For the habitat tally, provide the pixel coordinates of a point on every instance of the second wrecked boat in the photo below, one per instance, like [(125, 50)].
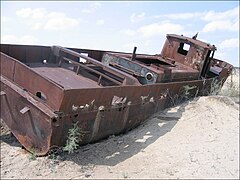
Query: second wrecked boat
[(45, 90)]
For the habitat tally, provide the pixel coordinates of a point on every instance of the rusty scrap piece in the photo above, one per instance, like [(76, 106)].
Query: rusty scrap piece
[(45, 90)]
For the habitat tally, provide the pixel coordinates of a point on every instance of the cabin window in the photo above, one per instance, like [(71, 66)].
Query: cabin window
[(183, 49)]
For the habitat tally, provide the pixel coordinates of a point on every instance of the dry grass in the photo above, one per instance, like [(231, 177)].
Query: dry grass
[(231, 86)]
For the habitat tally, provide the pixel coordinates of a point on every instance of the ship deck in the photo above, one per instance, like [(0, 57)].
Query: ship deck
[(63, 76)]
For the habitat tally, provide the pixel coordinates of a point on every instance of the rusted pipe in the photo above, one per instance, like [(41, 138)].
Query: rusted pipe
[(134, 54)]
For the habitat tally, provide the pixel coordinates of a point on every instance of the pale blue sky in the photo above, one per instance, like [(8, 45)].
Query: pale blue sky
[(119, 26)]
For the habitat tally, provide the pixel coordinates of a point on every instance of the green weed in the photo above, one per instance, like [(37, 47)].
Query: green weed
[(74, 137)]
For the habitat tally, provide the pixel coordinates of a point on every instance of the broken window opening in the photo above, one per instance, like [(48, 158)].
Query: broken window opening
[(82, 60), (41, 95), (183, 49)]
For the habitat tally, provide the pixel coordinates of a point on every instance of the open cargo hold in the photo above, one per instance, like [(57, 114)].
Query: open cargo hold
[(45, 90)]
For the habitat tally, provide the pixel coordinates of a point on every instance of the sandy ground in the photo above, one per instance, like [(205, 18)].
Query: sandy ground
[(198, 139)]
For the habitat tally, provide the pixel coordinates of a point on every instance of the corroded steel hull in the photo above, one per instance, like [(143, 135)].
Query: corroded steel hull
[(40, 102)]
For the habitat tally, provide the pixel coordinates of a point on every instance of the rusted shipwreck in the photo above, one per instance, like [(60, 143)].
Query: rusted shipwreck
[(45, 90)]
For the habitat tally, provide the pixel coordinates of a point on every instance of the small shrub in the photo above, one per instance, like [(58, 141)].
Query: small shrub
[(215, 88), (231, 91), (183, 95), (74, 137), (230, 87), (186, 94)]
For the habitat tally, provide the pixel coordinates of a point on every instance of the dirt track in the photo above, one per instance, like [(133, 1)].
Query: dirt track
[(198, 139)]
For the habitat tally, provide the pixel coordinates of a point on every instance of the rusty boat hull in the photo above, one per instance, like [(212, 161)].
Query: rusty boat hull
[(45, 90)]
